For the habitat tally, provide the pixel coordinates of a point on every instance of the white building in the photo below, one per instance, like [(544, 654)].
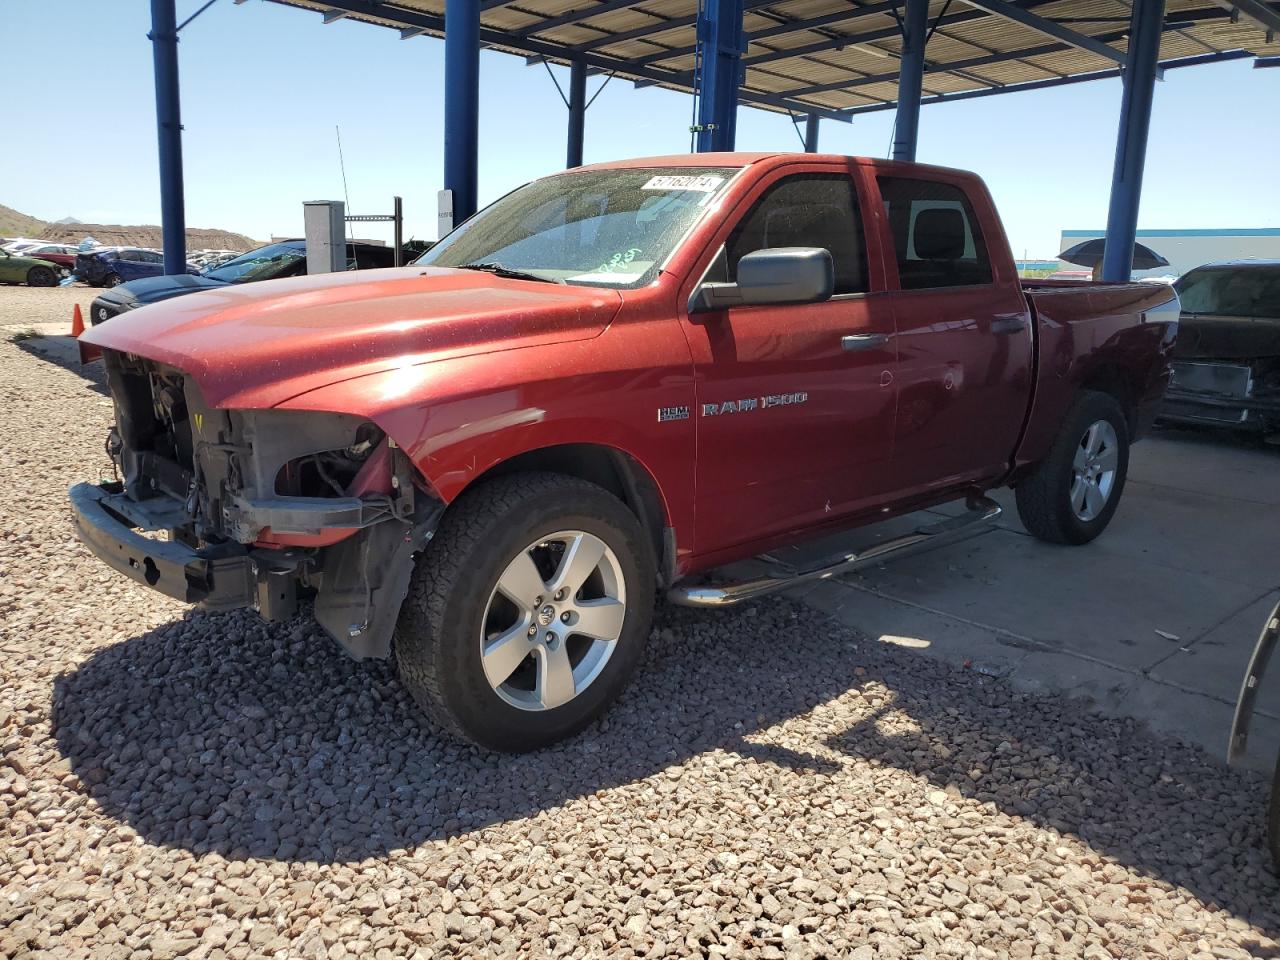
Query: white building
[(1185, 249)]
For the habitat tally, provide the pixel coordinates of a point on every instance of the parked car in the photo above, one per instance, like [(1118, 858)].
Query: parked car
[(110, 266), (288, 258), (1226, 369), (59, 253), (32, 271), (615, 377), (1070, 275)]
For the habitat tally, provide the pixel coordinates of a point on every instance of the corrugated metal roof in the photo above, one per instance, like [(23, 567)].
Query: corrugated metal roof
[(834, 57)]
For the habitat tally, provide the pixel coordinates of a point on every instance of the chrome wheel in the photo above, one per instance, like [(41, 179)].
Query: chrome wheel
[(553, 620), (1093, 471)]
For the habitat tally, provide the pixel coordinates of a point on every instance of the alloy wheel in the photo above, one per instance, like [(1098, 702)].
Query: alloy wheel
[(1093, 470), (553, 620)]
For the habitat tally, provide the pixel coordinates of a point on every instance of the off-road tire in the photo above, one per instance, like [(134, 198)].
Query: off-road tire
[(41, 277), (1044, 496), (437, 638), (112, 280)]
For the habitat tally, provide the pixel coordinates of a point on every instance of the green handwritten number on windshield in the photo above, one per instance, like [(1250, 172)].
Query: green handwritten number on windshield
[(619, 260)]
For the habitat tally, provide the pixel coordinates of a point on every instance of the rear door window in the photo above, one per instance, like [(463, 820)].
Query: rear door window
[(806, 210), (936, 237)]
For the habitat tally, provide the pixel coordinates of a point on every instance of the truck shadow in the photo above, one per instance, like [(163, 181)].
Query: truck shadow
[(218, 733)]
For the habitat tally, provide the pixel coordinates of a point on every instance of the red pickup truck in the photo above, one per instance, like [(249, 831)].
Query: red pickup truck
[(612, 380)]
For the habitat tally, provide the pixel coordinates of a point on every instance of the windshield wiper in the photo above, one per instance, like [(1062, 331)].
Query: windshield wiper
[(498, 270)]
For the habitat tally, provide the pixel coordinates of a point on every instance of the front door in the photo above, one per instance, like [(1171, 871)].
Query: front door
[(964, 340), (795, 402)]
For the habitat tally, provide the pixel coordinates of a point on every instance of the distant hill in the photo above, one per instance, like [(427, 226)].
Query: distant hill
[(71, 230), (116, 235), (15, 224)]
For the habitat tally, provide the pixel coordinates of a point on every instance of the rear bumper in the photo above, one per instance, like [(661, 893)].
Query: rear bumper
[(217, 578)]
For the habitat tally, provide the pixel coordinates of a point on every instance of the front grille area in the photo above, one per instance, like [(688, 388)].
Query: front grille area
[(152, 441)]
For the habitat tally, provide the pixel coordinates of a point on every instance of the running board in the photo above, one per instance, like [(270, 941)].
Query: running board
[(982, 510)]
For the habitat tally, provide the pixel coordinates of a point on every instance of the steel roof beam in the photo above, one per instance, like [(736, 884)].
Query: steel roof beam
[(662, 27), (794, 26), (1054, 82), (573, 16), (401, 17), (1186, 18), (1048, 28), (1258, 11), (853, 39)]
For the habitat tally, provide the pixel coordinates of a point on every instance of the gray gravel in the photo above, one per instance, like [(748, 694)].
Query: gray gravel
[(180, 784)]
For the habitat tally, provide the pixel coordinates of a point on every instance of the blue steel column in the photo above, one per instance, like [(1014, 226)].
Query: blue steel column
[(461, 104), (720, 42), (577, 112), (811, 133), (164, 51), (1131, 143), (910, 79)]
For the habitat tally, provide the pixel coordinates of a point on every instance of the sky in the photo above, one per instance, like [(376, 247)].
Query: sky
[(264, 86)]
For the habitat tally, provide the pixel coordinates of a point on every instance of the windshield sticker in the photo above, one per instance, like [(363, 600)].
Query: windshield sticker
[(620, 261), (702, 184), (609, 278)]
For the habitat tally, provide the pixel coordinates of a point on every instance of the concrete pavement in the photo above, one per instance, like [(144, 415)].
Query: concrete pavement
[(1156, 619)]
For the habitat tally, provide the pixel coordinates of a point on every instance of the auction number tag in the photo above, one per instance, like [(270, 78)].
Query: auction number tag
[(702, 184)]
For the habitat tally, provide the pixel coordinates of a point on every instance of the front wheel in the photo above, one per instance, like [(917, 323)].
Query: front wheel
[(1072, 494), (112, 280), (527, 612)]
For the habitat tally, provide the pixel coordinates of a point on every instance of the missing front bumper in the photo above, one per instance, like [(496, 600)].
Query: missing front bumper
[(221, 577)]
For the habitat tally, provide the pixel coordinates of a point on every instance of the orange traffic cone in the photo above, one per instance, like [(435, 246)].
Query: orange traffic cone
[(77, 322)]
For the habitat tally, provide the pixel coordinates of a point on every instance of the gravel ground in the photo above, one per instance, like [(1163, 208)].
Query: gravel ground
[(27, 307), (179, 784)]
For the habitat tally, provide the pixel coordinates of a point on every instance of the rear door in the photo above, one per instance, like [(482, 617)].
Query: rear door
[(964, 334), (795, 401)]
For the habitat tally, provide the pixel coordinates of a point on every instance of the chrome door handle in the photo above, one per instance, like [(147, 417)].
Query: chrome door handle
[(1008, 324), (863, 341)]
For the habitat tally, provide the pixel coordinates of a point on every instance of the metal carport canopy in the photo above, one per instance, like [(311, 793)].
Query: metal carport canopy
[(836, 59), (816, 59)]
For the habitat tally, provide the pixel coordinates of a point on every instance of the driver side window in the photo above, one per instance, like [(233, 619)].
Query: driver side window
[(806, 210)]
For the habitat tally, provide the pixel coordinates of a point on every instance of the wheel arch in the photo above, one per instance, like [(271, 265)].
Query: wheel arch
[(611, 468), (1119, 382)]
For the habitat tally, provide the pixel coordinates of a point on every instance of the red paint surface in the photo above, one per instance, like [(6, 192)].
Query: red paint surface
[(465, 370)]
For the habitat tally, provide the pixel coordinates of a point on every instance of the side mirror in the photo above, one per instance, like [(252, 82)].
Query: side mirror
[(773, 275)]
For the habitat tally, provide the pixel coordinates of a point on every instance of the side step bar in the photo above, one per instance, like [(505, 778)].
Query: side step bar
[(982, 510)]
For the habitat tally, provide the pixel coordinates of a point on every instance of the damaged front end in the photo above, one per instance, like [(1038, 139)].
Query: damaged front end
[(1227, 392), (231, 508)]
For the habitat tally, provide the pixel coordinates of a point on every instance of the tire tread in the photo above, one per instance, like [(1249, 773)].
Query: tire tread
[(444, 562)]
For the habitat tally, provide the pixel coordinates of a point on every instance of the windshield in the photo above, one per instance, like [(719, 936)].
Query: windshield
[(261, 264), (1232, 291), (602, 227)]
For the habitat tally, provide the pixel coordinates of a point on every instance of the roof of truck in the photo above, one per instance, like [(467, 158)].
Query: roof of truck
[(696, 160)]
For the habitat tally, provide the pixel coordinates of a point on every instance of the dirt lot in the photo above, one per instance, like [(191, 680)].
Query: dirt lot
[(773, 784), (46, 309)]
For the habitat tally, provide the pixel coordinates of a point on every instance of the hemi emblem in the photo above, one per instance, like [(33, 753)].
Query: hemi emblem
[(666, 414)]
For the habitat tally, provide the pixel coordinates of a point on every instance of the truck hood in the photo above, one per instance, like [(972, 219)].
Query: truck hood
[(257, 345), (1203, 336)]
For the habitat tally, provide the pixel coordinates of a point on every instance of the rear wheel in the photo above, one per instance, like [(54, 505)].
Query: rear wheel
[(1072, 494), (527, 612), (41, 277), (111, 280)]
